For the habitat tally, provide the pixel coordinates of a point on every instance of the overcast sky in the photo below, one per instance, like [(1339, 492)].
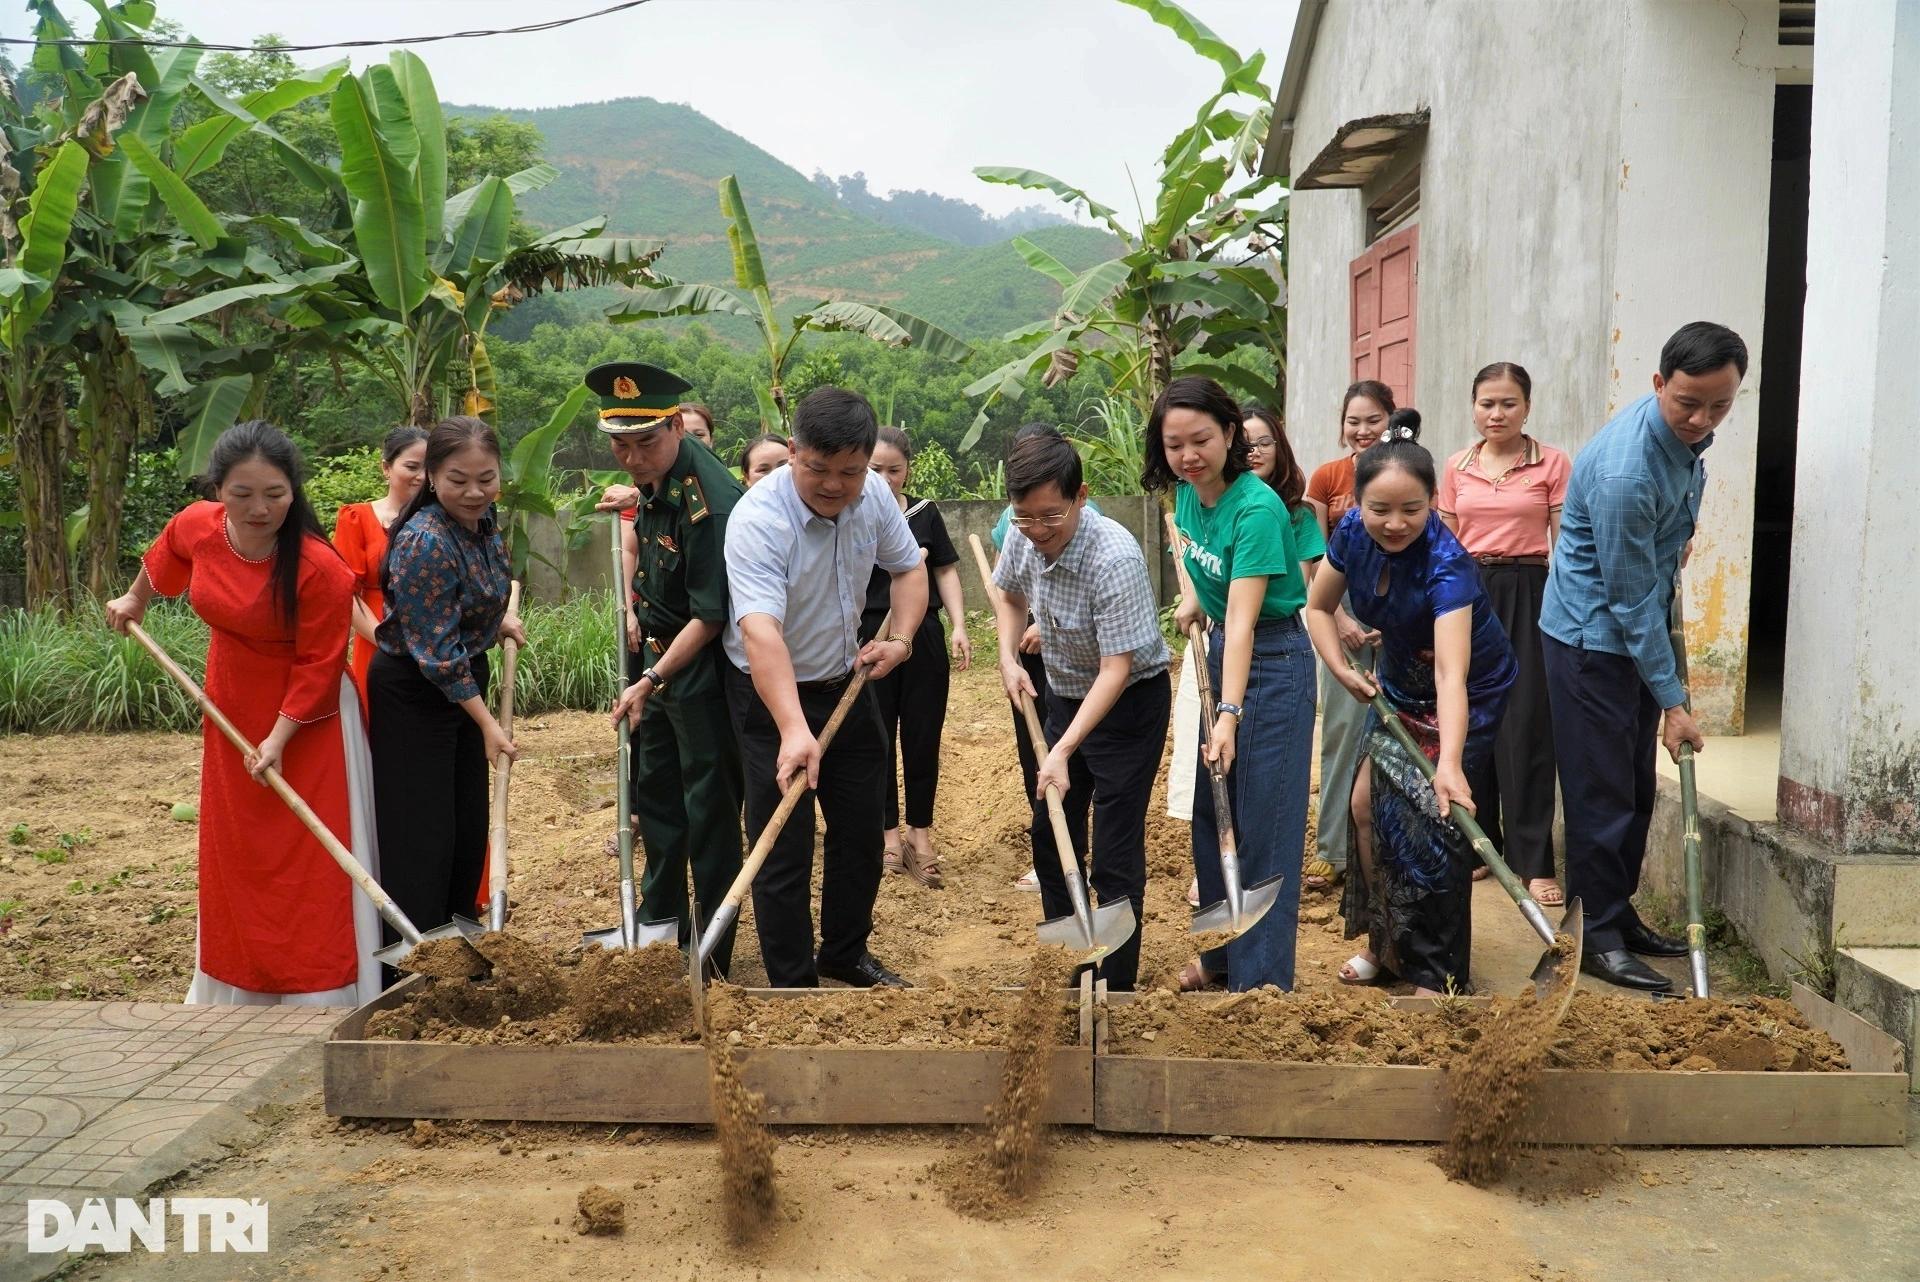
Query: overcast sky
[(913, 92)]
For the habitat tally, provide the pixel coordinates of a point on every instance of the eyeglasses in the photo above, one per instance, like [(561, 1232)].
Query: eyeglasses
[(1260, 443), (1052, 521)]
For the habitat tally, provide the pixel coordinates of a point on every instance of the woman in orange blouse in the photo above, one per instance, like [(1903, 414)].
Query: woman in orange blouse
[(360, 532)]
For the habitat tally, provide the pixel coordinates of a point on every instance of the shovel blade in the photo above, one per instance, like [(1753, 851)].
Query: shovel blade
[(478, 967), (696, 969), (1113, 925), (1573, 926), (1255, 902), (644, 934)]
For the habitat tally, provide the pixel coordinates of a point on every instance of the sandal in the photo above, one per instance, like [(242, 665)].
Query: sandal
[(924, 869), (1546, 892), (1193, 893), (1321, 875), (1196, 978), (1363, 972), (1028, 881), (891, 861)]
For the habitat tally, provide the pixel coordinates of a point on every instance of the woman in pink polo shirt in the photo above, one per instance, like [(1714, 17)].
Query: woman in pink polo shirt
[(1502, 498)]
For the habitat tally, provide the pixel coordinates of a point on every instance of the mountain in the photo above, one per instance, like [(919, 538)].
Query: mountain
[(944, 217), (654, 169)]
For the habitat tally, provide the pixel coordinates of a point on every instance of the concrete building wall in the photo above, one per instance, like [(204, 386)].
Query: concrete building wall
[(1595, 176), (1850, 743)]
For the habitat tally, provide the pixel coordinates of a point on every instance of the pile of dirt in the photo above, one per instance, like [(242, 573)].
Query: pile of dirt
[(1000, 1169), (1491, 1087), (1358, 1026), (746, 1147), (531, 996), (602, 1212), (926, 1017)]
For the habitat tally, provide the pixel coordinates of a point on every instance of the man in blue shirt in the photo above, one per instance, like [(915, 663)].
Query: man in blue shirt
[(801, 546), (1612, 678)]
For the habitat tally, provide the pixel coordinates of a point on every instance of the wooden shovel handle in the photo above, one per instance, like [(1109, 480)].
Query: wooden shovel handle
[(1056, 814), (295, 802), (503, 764), (1196, 636), (798, 788)]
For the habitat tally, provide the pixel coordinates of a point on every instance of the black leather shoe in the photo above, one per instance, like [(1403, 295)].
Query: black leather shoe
[(868, 972), (1618, 966), (1651, 943)]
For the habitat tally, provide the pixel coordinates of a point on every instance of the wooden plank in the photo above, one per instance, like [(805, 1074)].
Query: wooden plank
[(634, 1082), (1869, 1049)]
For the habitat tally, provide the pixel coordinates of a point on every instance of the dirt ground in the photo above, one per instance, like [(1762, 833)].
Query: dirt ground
[(111, 916)]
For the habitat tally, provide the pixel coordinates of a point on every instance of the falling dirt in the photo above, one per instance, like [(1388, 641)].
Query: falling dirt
[(746, 1147), (603, 995), (1491, 1088), (602, 1212), (999, 1169), (929, 1017)]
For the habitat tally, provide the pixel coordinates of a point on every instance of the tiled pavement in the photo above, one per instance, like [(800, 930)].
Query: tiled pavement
[(92, 1093)]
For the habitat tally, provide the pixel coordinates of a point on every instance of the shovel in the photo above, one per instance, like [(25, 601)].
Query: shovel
[(1091, 932), (410, 937), (1689, 818), (1237, 913), (631, 934), (497, 835), (1572, 924), (704, 942)]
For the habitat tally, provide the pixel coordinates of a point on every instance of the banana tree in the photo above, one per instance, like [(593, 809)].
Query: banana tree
[(752, 297), (1201, 284), (109, 235)]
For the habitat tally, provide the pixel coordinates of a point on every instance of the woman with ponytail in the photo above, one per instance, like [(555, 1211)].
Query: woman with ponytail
[(278, 921), (446, 582), (1446, 668)]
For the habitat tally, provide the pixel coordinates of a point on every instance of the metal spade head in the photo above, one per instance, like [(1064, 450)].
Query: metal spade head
[(460, 928), (644, 933), (1573, 926), (1237, 919), (1112, 925), (696, 968)]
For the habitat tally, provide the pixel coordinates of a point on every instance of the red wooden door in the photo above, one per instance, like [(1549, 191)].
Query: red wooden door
[(1385, 287)]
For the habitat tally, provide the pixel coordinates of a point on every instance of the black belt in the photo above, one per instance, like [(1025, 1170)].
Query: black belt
[(1512, 560), (831, 683)]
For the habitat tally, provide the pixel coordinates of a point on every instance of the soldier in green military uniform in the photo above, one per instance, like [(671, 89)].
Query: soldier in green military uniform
[(687, 783)]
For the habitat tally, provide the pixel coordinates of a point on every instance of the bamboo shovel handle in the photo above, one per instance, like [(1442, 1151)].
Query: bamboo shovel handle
[(1056, 815), (295, 802), (503, 765), (798, 788)]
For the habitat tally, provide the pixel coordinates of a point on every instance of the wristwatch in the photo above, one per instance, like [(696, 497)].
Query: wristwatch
[(1239, 713), (905, 641), (659, 682)]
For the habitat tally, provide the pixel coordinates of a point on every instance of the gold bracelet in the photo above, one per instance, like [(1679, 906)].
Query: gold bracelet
[(905, 641)]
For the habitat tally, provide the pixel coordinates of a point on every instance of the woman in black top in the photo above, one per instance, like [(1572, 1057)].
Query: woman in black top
[(913, 697)]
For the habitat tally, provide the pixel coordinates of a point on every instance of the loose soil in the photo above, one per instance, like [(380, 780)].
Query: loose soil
[(746, 1147), (924, 1017), (1359, 1026), (602, 1212), (999, 1167)]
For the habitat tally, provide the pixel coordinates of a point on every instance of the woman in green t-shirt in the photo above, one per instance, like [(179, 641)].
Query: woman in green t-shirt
[(1241, 557)]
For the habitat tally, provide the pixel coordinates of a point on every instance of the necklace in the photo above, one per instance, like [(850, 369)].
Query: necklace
[(226, 528)]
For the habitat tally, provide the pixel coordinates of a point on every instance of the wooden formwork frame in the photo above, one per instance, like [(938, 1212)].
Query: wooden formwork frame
[(641, 1082), (1172, 1096)]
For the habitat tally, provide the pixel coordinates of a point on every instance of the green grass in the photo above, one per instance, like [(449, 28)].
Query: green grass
[(73, 674)]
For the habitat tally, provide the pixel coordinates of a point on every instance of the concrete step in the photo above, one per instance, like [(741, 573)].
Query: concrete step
[(1882, 986), (1876, 901)]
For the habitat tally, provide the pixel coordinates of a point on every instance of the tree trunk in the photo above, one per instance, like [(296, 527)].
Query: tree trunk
[(120, 413), (40, 462)]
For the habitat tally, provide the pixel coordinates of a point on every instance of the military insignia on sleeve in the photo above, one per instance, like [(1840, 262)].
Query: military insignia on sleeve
[(625, 388), (697, 509)]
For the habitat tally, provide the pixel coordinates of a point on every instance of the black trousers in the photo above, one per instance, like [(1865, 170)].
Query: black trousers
[(1606, 725), (1513, 789), (1112, 776), (912, 700), (1044, 850), (429, 792), (849, 800)]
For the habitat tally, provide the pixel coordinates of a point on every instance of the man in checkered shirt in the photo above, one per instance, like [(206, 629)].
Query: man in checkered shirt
[(1612, 678), (1085, 579)]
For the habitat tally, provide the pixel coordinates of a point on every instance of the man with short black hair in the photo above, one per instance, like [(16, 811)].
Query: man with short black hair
[(800, 548), (1612, 679), (1108, 700)]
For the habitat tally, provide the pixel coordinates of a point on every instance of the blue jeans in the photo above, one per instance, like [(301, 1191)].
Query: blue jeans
[(1267, 789)]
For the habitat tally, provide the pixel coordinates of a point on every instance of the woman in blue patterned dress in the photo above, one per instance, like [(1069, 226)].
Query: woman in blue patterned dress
[(1446, 667), (428, 723)]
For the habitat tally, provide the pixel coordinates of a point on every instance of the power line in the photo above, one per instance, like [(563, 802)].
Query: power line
[(529, 28)]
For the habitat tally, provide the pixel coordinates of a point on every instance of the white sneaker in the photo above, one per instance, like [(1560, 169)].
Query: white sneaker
[(1029, 881)]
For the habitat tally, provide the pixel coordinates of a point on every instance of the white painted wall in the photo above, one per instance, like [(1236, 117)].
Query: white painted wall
[(1534, 249), (1850, 732)]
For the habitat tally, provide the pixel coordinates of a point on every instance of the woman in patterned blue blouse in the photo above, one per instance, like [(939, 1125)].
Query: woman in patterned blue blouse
[(428, 723), (1446, 667)]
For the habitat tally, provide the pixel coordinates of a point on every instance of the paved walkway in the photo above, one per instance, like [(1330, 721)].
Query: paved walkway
[(97, 1098)]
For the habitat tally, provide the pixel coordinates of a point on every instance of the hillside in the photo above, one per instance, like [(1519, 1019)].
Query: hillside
[(654, 167)]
